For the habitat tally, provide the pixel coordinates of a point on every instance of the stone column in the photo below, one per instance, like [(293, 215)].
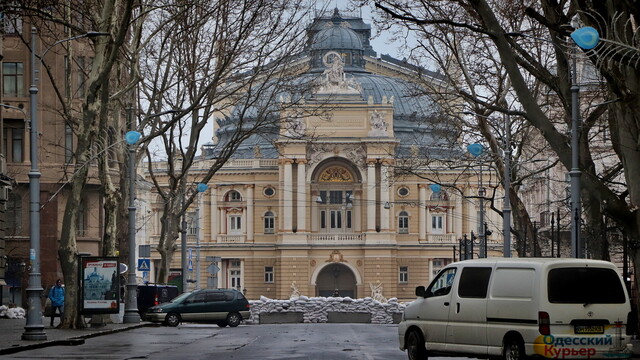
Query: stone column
[(458, 216), (302, 196), (223, 220), (287, 195), (422, 212), (385, 214), (371, 195), (215, 214), (250, 212)]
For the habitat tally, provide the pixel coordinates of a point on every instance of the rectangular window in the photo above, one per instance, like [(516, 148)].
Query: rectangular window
[(14, 214), (17, 143), (12, 23), (269, 225), (348, 219), (403, 223), (13, 79), (192, 223), (437, 224), (13, 138), (336, 219), (404, 274), (82, 78), (323, 219), (235, 224), (268, 274), (68, 143), (234, 276), (323, 197), (335, 197)]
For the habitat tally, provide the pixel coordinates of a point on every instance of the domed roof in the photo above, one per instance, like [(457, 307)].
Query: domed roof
[(336, 37)]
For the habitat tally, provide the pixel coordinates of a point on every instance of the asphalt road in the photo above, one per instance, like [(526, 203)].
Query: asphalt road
[(192, 341)]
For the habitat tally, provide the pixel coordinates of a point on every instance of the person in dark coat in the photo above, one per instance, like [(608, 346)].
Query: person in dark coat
[(56, 295)]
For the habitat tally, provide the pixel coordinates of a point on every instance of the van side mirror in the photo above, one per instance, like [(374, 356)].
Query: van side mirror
[(420, 291)]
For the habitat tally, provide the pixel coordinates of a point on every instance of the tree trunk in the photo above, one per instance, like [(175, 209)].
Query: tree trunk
[(68, 251)]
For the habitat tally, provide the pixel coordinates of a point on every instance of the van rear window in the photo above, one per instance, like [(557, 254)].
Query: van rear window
[(585, 286)]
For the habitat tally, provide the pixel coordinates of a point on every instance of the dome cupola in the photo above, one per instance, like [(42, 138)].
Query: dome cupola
[(339, 37)]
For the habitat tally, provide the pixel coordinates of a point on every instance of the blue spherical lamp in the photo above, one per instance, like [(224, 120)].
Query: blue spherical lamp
[(202, 187), (475, 149), (586, 37), (132, 137), (435, 188)]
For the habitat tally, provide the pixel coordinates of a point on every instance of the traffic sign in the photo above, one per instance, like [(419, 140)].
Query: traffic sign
[(213, 269), (144, 264), (190, 268)]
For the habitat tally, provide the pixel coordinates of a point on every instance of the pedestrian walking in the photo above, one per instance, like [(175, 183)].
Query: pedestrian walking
[(56, 295)]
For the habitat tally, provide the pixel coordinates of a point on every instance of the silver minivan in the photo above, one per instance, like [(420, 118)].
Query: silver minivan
[(516, 308)]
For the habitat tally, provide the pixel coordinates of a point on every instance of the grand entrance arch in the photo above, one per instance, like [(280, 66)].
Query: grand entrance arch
[(336, 276)]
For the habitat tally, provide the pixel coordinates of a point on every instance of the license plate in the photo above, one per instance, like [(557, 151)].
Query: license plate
[(589, 329)]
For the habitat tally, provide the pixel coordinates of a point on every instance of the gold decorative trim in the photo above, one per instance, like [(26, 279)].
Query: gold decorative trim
[(336, 174)]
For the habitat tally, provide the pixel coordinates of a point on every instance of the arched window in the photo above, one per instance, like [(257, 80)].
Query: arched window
[(269, 222), (403, 222), (440, 195), (233, 195)]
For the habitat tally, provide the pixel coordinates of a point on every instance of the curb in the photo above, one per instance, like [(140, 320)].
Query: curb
[(77, 340)]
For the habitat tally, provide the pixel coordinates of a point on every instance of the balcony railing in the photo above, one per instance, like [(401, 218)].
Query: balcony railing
[(231, 239), (336, 238), (441, 239)]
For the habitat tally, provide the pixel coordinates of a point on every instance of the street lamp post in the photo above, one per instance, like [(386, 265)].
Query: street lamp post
[(132, 137), (34, 329), (506, 207), (586, 38), (476, 150), (200, 188), (131, 306)]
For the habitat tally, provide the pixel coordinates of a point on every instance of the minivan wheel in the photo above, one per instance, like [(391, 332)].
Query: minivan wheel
[(513, 349), (234, 319), (415, 346), (172, 319)]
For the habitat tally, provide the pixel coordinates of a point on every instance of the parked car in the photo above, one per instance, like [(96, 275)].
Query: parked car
[(149, 295), (519, 308), (220, 306)]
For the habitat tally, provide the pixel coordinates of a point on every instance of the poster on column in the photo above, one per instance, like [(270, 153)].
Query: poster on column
[(99, 285)]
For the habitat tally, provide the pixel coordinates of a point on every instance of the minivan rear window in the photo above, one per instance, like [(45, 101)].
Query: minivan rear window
[(585, 286)]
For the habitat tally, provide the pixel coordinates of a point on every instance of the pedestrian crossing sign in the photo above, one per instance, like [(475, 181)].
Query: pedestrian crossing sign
[(144, 264)]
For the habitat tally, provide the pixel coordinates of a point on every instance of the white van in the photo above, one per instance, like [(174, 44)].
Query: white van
[(520, 307)]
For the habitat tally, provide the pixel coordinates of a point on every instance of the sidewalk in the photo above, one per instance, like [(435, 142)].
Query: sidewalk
[(12, 330)]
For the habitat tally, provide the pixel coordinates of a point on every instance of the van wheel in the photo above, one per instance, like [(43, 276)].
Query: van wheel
[(415, 346), (172, 319), (513, 349), (234, 319)]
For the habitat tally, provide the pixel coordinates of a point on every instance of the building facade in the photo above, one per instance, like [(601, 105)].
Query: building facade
[(324, 206), (68, 66)]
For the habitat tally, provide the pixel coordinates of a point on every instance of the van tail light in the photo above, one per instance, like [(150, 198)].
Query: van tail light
[(544, 323), (248, 306), (155, 300)]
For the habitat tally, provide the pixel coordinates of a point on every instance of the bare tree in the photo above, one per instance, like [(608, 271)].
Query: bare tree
[(62, 20), (616, 59), (222, 59), (478, 97)]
